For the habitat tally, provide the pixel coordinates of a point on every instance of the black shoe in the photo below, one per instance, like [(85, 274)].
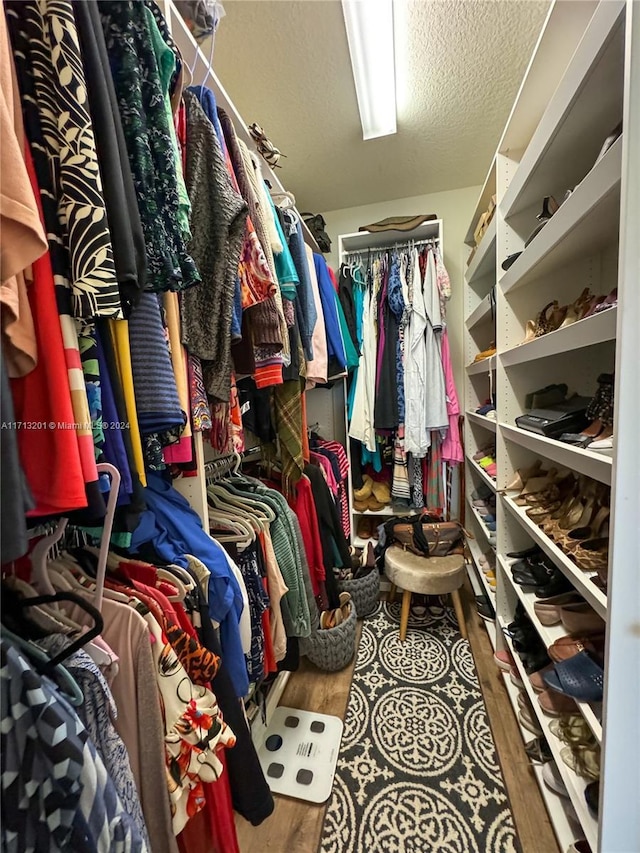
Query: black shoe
[(528, 552), (485, 608), (592, 796), (538, 750), (556, 586)]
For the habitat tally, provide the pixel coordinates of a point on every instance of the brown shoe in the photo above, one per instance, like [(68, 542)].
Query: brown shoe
[(581, 618), (566, 647)]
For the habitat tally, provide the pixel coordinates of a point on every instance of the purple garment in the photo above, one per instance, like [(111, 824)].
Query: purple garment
[(114, 449)]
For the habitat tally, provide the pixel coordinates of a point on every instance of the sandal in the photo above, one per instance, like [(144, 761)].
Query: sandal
[(580, 677)]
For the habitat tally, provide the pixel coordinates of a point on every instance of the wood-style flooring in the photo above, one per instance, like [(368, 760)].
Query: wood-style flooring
[(296, 827)]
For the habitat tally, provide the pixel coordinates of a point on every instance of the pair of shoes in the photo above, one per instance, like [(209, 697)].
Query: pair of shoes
[(538, 750), (482, 493), (600, 414), (550, 395), (487, 353), (504, 660), (554, 704), (367, 562), (583, 760), (565, 648), (579, 677), (528, 721), (547, 609), (573, 730), (333, 618), (485, 608), (553, 780), (367, 528), (580, 618), (582, 845)]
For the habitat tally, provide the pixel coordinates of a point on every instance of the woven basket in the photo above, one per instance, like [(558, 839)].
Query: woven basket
[(331, 649), (364, 592)]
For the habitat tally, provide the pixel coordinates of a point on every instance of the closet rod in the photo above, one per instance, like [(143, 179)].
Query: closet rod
[(408, 244)]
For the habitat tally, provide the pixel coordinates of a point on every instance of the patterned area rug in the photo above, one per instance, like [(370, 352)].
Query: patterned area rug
[(417, 769)]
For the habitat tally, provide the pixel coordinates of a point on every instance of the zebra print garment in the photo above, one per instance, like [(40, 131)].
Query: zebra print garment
[(45, 42)]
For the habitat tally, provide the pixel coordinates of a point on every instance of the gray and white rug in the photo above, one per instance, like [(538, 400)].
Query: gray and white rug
[(417, 769)]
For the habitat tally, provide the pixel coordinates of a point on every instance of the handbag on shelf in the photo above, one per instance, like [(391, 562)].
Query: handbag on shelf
[(426, 535)]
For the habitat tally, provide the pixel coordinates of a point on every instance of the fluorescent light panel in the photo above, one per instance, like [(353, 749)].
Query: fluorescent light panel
[(369, 25)]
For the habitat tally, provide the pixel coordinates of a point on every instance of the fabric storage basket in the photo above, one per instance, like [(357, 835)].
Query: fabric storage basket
[(364, 591), (331, 649)]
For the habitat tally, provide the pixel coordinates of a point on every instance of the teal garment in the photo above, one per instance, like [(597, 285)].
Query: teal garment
[(358, 304), (166, 69), (351, 355), (285, 268), (288, 555)]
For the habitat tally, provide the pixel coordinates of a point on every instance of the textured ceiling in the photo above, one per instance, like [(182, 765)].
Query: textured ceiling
[(286, 65)]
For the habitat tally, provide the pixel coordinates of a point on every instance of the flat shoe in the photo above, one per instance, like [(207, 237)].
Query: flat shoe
[(554, 704), (553, 780), (579, 677), (536, 681), (565, 648), (528, 722), (581, 618), (382, 493)]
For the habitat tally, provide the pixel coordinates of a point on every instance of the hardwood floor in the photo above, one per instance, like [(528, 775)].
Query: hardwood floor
[(296, 827)]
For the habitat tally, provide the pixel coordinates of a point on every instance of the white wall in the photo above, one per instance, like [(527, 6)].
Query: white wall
[(455, 208)]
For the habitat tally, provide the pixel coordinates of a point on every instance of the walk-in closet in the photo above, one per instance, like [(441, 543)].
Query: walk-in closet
[(319, 478)]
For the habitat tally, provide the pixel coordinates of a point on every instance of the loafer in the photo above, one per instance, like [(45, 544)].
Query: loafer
[(581, 618), (527, 552), (547, 609), (558, 584), (579, 677)]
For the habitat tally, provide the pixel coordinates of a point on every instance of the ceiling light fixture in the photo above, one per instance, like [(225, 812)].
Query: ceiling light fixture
[(369, 25)]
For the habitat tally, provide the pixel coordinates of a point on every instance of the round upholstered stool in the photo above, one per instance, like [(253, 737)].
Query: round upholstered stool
[(426, 575)]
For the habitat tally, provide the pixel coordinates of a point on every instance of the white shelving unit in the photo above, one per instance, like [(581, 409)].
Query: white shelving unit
[(361, 242), (582, 82), (482, 420)]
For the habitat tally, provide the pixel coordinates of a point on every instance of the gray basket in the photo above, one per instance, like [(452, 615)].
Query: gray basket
[(364, 591), (332, 649)]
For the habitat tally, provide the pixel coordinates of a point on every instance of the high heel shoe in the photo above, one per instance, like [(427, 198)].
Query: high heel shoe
[(521, 477), (577, 309), (592, 555), (536, 484)]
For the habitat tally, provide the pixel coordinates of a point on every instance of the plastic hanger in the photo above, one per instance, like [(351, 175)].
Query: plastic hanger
[(40, 555), (41, 662), (181, 593)]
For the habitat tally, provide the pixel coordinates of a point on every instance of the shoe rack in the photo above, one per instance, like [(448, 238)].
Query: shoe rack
[(583, 79)]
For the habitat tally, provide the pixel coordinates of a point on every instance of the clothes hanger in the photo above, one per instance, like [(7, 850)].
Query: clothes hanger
[(41, 660), (285, 200), (39, 557), (181, 593)]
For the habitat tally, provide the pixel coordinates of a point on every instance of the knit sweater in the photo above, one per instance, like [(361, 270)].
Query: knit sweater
[(217, 226)]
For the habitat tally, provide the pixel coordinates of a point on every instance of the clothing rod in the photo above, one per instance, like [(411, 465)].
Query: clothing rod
[(406, 245)]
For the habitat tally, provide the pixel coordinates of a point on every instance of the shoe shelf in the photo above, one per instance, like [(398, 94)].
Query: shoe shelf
[(585, 333), (581, 108), (484, 260), (484, 366), (556, 805), (487, 534), (579, 578), (386, 510), (582, 227), (591, 463), (586, 222), (549, 634), (481, 420), (574, 783), (477, 554), (481, 314), (486, 479)]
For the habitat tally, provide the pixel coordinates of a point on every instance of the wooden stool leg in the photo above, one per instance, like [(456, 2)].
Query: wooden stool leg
[(457, 603), (404, 614), (392, 593)]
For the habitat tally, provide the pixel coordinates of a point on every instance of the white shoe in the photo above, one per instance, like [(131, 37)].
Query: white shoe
[(528, 722), (553, 780)]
